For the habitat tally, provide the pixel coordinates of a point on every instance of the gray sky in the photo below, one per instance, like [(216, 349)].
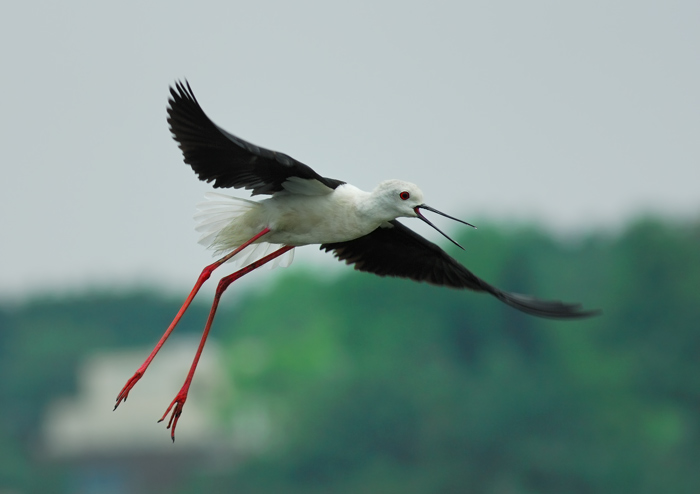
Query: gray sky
[(577, 115)]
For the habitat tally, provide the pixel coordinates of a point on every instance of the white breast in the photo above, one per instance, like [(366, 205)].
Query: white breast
[(302, 220)]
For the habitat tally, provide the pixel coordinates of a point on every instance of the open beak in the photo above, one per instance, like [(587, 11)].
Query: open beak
[(426, 220)]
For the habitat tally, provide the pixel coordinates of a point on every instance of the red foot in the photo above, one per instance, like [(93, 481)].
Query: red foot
[(179, 402), (124, 393)]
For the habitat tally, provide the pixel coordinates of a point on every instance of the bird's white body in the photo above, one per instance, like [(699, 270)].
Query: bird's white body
[(306, 212)]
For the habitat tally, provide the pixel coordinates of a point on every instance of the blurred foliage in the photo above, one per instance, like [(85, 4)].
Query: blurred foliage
[(384, 385)]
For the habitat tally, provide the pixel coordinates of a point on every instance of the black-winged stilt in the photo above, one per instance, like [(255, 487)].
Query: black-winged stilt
[(305, 208)]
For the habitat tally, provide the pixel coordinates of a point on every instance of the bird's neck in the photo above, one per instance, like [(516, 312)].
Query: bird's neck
[(373, 209)]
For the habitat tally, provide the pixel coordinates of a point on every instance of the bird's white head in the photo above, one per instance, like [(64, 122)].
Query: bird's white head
[(396, 198)]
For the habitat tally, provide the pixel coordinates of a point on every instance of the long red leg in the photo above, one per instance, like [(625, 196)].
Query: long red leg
[(206, 273), (181, 397)]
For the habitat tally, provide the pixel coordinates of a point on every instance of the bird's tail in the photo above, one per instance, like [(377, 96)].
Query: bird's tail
[(217, 213)]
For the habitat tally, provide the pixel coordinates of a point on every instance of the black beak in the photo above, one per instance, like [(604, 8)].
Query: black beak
[(423, 206)]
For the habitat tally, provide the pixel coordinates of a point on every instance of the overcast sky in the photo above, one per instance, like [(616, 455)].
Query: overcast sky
[(578, 115)]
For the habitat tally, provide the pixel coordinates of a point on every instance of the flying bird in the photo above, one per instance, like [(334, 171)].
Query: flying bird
[(302, 208)]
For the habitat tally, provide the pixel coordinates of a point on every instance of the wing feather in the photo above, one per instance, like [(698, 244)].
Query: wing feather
[(220, 157), (398, 251)]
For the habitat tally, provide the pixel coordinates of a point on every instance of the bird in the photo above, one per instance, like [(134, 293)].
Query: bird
[(304, 208)]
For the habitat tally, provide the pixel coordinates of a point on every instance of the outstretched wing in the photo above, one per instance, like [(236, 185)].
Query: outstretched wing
[(228, 161), (398, 251)]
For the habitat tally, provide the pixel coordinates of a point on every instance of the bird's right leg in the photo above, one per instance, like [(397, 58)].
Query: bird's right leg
[(206, 273), (179, 402)]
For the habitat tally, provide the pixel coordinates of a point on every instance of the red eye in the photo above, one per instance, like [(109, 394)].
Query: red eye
[(404, 195)]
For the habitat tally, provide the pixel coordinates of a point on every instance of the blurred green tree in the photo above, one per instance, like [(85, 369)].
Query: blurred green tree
[(383, 385)]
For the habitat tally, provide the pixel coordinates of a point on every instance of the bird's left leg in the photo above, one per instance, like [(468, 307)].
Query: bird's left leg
[(204, 276), (224, 283)]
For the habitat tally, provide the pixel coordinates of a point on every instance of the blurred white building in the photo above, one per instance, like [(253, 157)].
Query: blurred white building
[(127, 450)]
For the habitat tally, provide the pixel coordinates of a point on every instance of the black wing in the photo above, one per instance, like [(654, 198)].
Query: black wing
[(228, 161), (399, 251)]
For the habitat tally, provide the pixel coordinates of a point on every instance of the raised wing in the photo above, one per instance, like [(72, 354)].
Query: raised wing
[(399, 251), (228, 161)]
